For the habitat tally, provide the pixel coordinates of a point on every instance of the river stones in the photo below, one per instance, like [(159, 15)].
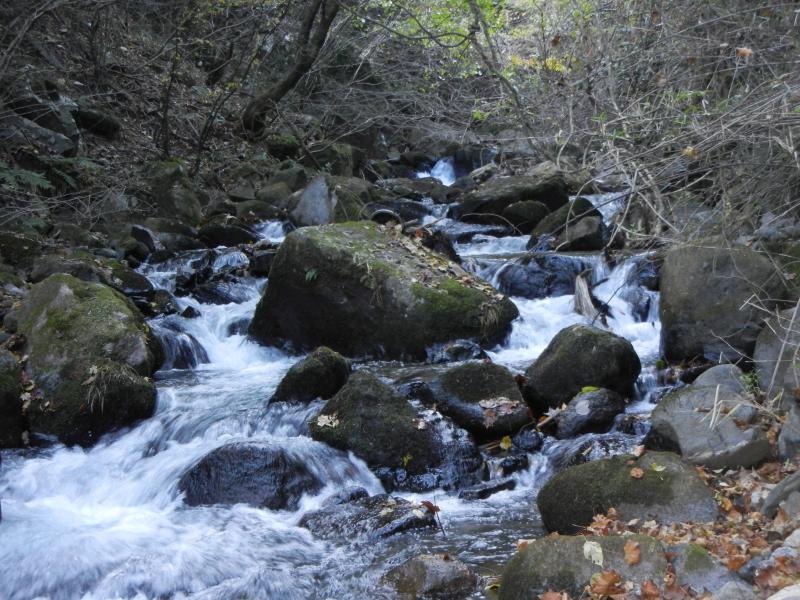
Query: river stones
[(483, 398), (525, 215), (493, 196), (173, 194), (11, 421), (577, 357), (711, 426), (570, 213), (567, 564), (432, 576), (319, 375), (260, 474), (362, 290), (369, 419), (370, 517), (589, 233), (706, 309), (224, 230), (540, 275), (328, 199), (91, 355), (776, 356), (590, 411), (668, 491)]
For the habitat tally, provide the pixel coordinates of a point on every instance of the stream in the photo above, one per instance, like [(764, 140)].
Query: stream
[(109, 522)]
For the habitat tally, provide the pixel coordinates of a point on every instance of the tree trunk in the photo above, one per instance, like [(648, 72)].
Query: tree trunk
[(308, 47)]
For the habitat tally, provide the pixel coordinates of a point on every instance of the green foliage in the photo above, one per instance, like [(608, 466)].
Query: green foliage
[(18, 179), (311, 275)]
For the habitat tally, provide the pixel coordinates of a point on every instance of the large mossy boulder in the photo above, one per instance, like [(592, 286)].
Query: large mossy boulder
[(91, 355), (713, 301), (563, 564), (777, 356), (369, 419), (336, 158), (669, 490), (11, 422), (362, 290), (319, 375), (577, 357), (711, 425), (483, 398), (260, 474), (20, 250), (494, 196)]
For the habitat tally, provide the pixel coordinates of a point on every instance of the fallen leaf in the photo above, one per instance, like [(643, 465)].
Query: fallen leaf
[(744, 53), (327, 420), (594, 552), (632, 552), (432, 508), (650, 590), (505, 443), (606, 584), (639, 451), (637, 472)]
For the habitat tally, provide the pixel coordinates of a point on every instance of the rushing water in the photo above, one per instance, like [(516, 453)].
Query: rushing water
[(109, 522)]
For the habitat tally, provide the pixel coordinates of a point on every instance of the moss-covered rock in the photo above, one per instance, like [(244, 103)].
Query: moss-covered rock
[(669, 491), (362, 290), (370, 419), (90, 354), (580, 356), (11, 422), (20, 250), (329, 199), (173, 193), (282, 145), (483, 398), (563, 564), (591, 410), (705, 303), (571, 213), (335, 158), (319, 375)]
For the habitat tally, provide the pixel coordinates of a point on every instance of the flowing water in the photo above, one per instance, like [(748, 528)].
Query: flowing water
[(109, 522)]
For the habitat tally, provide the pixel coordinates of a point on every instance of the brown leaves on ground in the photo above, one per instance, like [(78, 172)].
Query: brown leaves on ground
[(637, 472), (607, 584), (632, 553), (738, 536)]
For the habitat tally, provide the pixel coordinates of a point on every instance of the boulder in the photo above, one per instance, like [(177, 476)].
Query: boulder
[(589, 233), (432, 576), (91, 355), (566, 215), (293, 176), (261, 474), (97, 122), (255, 211), (705, 301), (369, 419), (336, 158), (327, 199), (577, 357), (567, 564), (19, 132), (12, 424), (485, 489), (780, 493), (729, 378), (589, 411), (173, 193), (776, 356), (20, 250), (319, 375), (525, 215), (226, 231), (537, 276), (669, 491), (281, 145), (495, 195), (361, 290), (711, 426), (376, 516), (789, 438), (276, 194), (483, 398)]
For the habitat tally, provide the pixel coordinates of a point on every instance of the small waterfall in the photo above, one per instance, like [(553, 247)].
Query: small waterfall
[(443, 170)]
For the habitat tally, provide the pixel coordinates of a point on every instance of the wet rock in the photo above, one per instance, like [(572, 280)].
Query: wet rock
[(223, 231), (90, 353), (711, 428), (483, 490), (563, 563), (260, 474), (564, 216), (261, 262), (589, 233), (292, 176), (590, 411), (369, 419), (12, 424), (483, 398), (319, 375), (493, 196), (255, 211), (670, 492), (512, 464), (363, 291), (645, 273), (327, 199), (374, 517), (775, 356), (577, 357), (275, 194), (418, 189), (440, 242), (190, 312), (336, 158), (540, 276), (528, 440), (525, 215), (181, 349), (704, 301), (455, 351), (432, 576), (406, 210), (97, 122)]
